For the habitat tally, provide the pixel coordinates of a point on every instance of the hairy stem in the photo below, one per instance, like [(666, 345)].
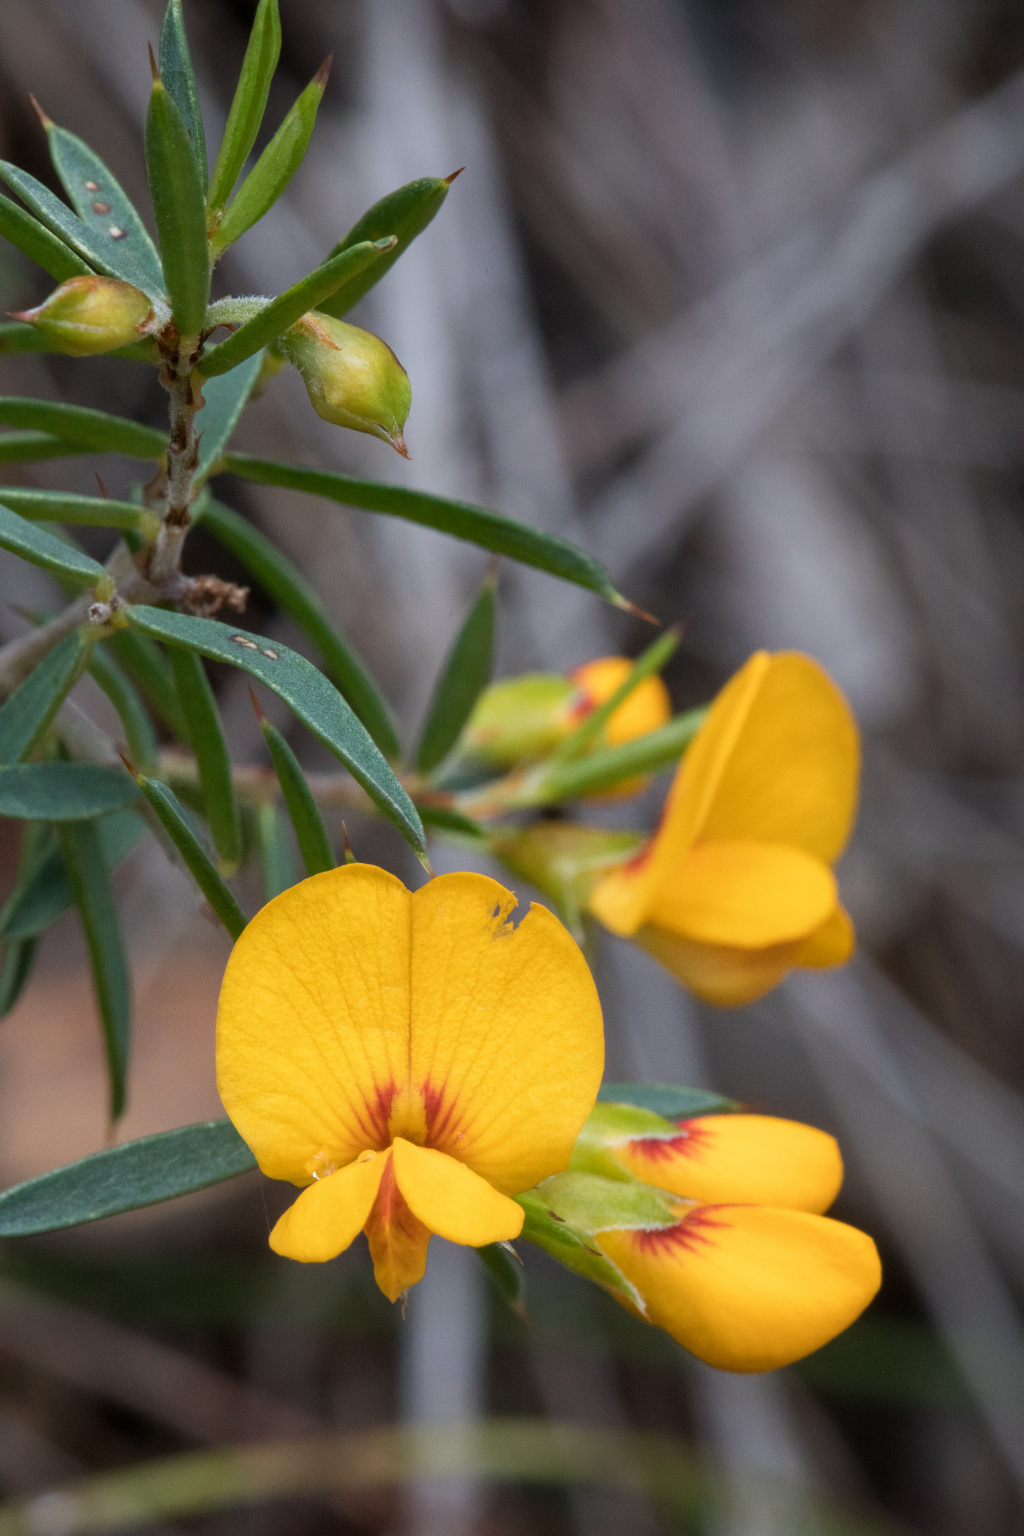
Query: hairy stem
[(182, 460)]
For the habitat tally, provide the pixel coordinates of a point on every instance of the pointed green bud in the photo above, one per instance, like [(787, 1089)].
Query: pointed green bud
[(352, 377), (89, 315)]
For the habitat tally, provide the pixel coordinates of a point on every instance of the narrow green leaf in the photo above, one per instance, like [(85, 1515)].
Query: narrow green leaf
[(310, 832), (140, 735), (87, 872), (667, 1099), (279, 872), (250, 102), (404, 213), (213, 760), (590, 731), (179, 203), (150, 671), (43, 549), (275, 167), (313, 698), (476, 525), (178, 828), (288, 307), (224, 400), (465, 675), (107, 212), (20, 447), (609, 766), (506, 1270), (27, 713), (40, 244), (17, 967), (179, 78), (63, 791), (285, 583), (446, 820), (124, 1178), (94, 430), (43, 892), (66, 507)]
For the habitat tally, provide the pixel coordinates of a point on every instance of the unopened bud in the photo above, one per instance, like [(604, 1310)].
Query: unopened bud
[(89, 315), (352, 377), (519, 720), (564, 859)]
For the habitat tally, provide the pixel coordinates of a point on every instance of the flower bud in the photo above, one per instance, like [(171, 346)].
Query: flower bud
[(519, 720), (353, 379), (564, 859), (645, 709), (89, 315)]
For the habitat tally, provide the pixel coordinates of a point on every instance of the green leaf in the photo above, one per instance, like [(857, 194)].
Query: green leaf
[(179, 204), (249, 103), (104, 207), (314, 844), (40, 245), (288, 307), (66, 507), (404, 213), (179, 78), (178, 828), (224, 400), (451, 821), (94, 430), (25, 715), (465, 675), (590, 731), (87, 872), (19, 447), (668, 1100), (150, 671), (63, 791), (506, 1270), (279, 872), (609, 766), (138, 1173), (17, 967), (43, 549), (275, 167), (476, 525), (316, 701), (569, 1245), (140, 736), (206, 737), (43, 892), (285, 583)]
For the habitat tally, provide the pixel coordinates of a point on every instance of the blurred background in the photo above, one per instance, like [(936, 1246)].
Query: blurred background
[(732, 293)]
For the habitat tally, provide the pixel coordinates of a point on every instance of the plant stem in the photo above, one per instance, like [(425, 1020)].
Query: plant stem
[(182, 459)]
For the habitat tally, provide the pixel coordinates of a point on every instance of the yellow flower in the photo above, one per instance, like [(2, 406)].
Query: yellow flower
[(411, 1058), (645, 709), (736, 887), (750, 1276)]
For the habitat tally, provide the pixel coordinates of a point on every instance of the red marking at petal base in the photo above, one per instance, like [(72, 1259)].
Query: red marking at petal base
[(692, 1141), (373, 1122), (442, 1117), (687, 1235)]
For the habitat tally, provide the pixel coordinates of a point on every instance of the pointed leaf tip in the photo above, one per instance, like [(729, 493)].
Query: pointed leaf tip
[(260, 716), (47, 122), (136, 775), (398, 444), (449, 179), (626, 606), (154, 66), (323, 73)]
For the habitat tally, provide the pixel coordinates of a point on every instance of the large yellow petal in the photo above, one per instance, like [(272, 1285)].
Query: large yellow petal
[(398, 1239), (747, 1287), (747, 895), (313, 1021), (621, 900), (719, 973), (831, 944), (507, 1044), (755, 1159), (330, 1213), (792, 774), (451, 1199)]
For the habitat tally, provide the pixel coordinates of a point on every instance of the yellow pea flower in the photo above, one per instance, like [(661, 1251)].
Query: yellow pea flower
[(750, 1276), (645, 709), (412, 1059), (736, 886)]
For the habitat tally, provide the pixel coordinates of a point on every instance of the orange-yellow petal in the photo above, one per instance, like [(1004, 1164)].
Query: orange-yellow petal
[(719, 973), (747, 1287), (326, 1217), (831, 944), (398, 1239), (507, 1044), (747, 895), (645, 709), (755, 1159), (451, 1199)]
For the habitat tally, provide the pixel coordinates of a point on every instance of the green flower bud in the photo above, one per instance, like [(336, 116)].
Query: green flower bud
[(352, 377), (564, 859), (89, 315), (519, 720)]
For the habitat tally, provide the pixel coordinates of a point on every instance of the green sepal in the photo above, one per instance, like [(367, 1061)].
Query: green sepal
[(213, 760), (249, 103), (505, 1268), (279, 871), (224, 399), (67, 507), (59, 791), (285, 583), (179, 78), (404, 213), (282, 312), (476, 525), (87, 873), (275, 167), (609, 766), (310, 832), (40, 245), (179, 206), (25, 715), (463, 678), (125, 1178), (611, 1125), (43, 892), (564, 860), (589, 733), (140, 734), (45, 550), (176, 824), (95, 431), (19, 958), (668, 1099), (147, 666)]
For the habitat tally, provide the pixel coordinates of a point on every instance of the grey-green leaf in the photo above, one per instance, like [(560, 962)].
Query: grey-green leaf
[(20, 447), (40, 244), (179, 204), (148, 667), (249, 103), (465, 674), (179, 78), (667, 1099), (213, 760), (138, 1173), (66, 507), (139, 732), (43, 892), (41, 548), (279, 871), (404, 213), (460, 519), (314, 699), (17, 967), (25, 715), (183, 835), (63, 791), (224, 401), (310, 832), (107, 211), (94, 430)]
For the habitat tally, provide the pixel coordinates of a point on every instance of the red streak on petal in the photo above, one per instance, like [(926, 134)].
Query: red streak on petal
[(693, 1140), (687, 1235), (443, 1118), (373, 1122)]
